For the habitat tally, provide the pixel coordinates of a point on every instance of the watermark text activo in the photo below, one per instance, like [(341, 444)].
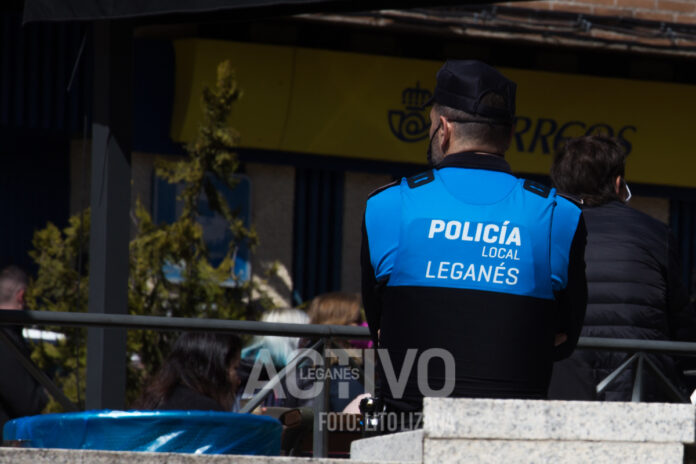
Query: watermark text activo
[(314, 369)]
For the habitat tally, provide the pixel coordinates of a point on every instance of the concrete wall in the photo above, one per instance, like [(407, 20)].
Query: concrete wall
[(272, 211), (358, 185)]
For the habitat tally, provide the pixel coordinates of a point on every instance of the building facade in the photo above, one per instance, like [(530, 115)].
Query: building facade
[(331, 110)]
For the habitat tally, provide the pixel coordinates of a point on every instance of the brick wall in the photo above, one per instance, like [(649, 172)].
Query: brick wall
[(670, 11)]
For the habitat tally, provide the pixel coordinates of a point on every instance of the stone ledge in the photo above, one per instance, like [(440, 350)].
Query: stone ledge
[(455, 451), (62, 456), (401, 447), (558, 420)]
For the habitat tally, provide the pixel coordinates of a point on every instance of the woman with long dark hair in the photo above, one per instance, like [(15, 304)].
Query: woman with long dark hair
[(199, 374)]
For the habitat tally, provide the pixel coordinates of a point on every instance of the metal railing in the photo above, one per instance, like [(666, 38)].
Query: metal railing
[(636, 350), (324, 333), (637, 354), (126, 321)]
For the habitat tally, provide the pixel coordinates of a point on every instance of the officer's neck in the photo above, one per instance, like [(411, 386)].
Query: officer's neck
[(460, 146), (474, 151)]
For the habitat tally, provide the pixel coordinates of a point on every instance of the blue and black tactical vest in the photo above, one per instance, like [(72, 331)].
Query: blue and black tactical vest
[(468, 261)]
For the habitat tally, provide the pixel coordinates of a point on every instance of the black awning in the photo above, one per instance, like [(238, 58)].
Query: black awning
[(81, 10)]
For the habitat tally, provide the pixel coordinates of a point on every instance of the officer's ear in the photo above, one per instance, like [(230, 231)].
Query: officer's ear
[(446, 134)]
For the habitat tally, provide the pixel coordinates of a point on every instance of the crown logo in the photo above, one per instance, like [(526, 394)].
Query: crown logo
[(414, 97), (410, 123)]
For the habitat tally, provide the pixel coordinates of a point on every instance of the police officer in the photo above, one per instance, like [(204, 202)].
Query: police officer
[(473, 279)]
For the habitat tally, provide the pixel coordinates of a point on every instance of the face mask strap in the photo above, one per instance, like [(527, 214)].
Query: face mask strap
[(430, 145), (481, 121)]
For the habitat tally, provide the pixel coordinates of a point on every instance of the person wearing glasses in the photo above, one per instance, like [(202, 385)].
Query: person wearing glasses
[(633, 275)]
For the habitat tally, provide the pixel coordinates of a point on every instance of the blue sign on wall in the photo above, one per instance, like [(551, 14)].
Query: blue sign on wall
[(216, 232)]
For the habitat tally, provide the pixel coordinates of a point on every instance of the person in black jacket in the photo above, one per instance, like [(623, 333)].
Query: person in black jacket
[(199, 374), (633, 274), (20, 394)]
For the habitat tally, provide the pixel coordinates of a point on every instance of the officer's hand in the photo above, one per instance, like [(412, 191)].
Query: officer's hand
[(560, 338)]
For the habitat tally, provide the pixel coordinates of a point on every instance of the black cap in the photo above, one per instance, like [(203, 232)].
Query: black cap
[(461, 84)]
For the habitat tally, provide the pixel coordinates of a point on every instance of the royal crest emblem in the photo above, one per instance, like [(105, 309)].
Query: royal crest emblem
[(411, 124)]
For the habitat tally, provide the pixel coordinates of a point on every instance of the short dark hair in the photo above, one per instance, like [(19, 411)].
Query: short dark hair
[(199, 361), (586, 167), (490, 132), (12, 279)]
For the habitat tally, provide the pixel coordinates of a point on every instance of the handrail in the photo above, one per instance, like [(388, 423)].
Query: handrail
[(630, 345), (129, 321)]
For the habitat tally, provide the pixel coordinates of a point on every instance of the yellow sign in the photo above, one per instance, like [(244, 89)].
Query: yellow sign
[(299, 100)]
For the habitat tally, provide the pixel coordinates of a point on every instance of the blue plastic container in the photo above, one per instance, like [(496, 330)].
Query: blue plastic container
[(200, 432)]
